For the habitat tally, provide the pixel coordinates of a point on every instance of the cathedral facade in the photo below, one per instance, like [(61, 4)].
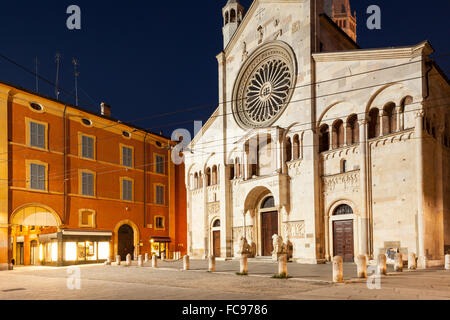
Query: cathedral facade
[(337, 149)]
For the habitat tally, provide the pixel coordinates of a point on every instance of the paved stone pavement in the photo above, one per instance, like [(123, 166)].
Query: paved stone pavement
[(99, 282)]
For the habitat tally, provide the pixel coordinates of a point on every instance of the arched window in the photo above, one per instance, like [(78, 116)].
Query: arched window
[(196, 184), (233, 15), (343, 209), (406, 101), (352, 129), (288, 149), (268, 203), (208, 176), (200, 180), (338, 134), (232, 171), (389, 119), (374, 123), (343, 166), (216, 224), (324, 143), (296, 147), (226, 18), (214, 178), (237, 163)]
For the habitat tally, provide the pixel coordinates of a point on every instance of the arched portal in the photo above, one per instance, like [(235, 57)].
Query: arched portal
[(29, 223), (215, 236), (269, 224), (265, 222), (342, 230), (125, 241)]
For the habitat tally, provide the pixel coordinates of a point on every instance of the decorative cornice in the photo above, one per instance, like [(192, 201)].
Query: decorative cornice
[(411, 52)]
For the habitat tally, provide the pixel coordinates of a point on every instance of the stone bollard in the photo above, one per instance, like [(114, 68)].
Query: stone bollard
[(118, 260), (447, 262), (154, 262), (186, 262), (338, 269), (212, 264), (412, 262), (163, 256), (398, 262), (243, 264), (140, 261), (361, 264), (282, 265), (128, 263), (108, 261), (146, 257), (381, 264)]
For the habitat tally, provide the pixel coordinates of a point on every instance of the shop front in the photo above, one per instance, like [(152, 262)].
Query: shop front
[(70, 247), (160, 245)]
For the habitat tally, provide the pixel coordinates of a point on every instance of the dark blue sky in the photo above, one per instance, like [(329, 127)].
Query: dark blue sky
[(150, 57)]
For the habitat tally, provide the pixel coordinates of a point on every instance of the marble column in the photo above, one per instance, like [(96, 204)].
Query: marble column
[(363, 221), (345, 135), (419, 184), (205, 216), (398, 111)]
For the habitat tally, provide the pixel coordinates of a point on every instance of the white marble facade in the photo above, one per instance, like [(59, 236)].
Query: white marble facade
[(332, 132)]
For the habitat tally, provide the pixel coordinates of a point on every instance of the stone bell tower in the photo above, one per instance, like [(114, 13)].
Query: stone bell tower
[(232, 13), (341, 13)]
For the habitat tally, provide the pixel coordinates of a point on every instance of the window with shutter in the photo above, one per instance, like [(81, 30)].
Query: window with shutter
[(159, 164), (127, 157), (159, 197), (127, 190), (37, 176), (37, 135), (87, 184), (87, 147)]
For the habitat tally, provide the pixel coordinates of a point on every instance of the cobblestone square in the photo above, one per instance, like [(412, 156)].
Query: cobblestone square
[(169, 282)]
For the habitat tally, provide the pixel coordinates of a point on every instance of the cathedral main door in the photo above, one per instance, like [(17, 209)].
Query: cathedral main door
[(216, 243), (343, 239), (269, 227)]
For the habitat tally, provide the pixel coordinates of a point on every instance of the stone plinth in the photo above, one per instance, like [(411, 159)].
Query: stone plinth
[(282, 265), (381, 264), (212, 264), (338, 269), (154, 262), (243, 264), (186, 264), (361, 264), (412, 262), (398, 262)]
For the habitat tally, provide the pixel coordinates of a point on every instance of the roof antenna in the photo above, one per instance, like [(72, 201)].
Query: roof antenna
[(36, 71), (76, 74), (58, 60)]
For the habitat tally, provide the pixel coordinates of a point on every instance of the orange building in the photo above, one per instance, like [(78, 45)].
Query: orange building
[(79, 187)]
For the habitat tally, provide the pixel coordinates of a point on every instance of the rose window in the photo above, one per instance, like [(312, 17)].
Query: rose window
[(264, 87)]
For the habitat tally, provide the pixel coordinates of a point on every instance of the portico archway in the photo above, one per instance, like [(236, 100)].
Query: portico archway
[(135, 237), (264, 220)]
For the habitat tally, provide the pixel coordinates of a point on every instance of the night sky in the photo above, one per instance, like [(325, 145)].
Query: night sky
[(145, 58)]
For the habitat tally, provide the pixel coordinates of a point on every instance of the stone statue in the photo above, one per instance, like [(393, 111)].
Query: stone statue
[(244, 247), (279, 247)]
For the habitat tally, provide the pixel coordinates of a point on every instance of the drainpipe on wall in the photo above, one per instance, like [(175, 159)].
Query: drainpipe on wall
[(145, 180), (64, 165)]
